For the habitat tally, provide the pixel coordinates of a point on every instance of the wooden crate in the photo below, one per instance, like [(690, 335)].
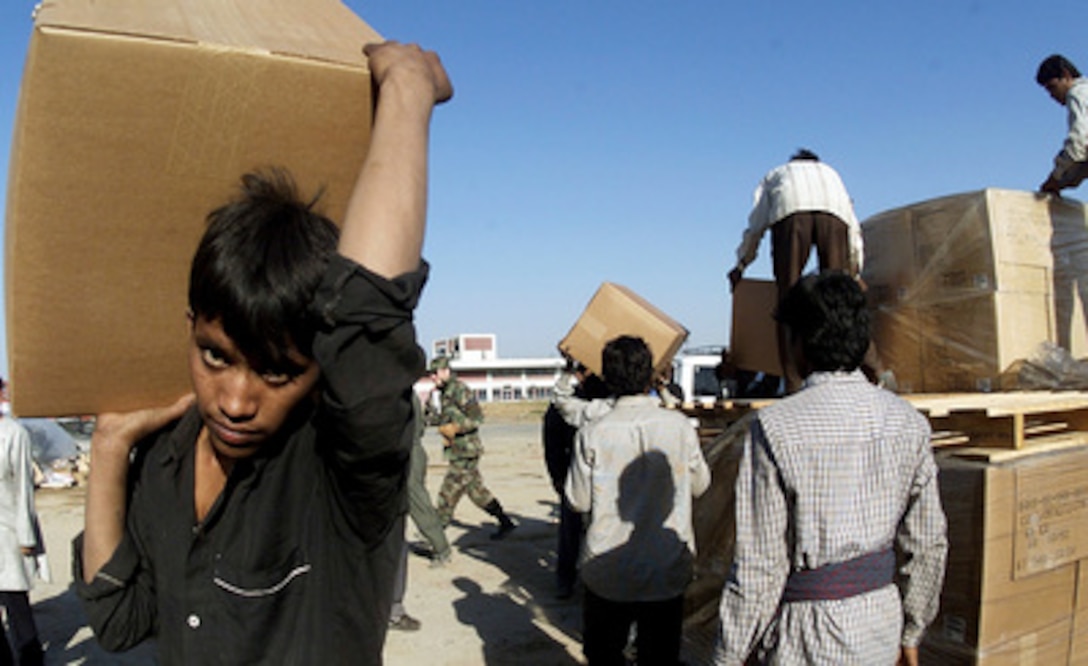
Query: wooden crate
[(1014, 485)]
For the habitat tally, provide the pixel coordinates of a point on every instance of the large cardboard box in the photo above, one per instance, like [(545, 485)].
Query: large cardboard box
[(1016, 547), (613, 311), (134, 120), (964, 286)]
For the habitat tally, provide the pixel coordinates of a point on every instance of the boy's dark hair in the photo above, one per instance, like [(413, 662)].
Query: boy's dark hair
[(1055, 67), (627, 365), (804, 154), (827, 313), (258, 266)]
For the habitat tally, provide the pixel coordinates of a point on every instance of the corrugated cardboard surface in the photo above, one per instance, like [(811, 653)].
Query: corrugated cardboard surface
[(1048, 645), (1011, 585), (754, 337), (970, 283), (1078, 652), (613, 311), (133, 123)]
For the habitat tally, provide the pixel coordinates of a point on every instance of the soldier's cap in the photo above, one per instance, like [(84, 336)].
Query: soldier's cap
[(439, 362)]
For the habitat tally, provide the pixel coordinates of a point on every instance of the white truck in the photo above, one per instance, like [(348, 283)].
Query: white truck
[(694, 370)]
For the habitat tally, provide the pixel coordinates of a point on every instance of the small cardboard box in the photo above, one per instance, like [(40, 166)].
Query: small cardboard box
[(136, 119), (964, 286), (754, 337), (613, 311)]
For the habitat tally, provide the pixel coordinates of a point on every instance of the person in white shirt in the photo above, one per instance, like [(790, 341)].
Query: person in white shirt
[(1063, 81), (20, 546), (805, 204), (635, 470)]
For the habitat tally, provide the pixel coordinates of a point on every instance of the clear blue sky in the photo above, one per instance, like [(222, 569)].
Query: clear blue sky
[(602, 140)]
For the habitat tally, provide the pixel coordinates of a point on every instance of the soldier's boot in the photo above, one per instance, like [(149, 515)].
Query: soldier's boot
[(506, 526)]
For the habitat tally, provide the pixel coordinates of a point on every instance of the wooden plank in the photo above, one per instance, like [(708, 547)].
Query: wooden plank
[(983, 429), (1046, 444), (997, 404), (722, 414)]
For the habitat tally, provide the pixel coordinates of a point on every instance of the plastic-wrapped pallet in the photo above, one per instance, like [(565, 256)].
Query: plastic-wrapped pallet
[(965, 285)]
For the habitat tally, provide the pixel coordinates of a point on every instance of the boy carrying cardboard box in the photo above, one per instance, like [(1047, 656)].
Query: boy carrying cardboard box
[(262, 520)]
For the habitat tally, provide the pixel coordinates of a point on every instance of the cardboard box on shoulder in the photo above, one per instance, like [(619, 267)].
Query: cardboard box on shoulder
[(613, 311), (1016, 551), (135, 120), (965, 285)]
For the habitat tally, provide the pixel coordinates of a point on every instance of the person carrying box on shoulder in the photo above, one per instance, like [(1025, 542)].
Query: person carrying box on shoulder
[(261, 519)]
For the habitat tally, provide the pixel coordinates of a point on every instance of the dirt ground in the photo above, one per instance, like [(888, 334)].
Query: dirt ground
[(493, 604)]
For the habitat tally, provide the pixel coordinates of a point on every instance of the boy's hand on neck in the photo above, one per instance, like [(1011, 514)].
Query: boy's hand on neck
[(117, 433), (114, 437)]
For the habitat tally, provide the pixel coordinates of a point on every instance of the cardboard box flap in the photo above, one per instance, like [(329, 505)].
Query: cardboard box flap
[(326, 31)]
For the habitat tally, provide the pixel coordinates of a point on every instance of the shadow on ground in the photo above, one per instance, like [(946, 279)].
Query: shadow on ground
[(526, 600)]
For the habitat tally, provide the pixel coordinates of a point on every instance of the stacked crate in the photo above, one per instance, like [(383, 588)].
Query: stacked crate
[(1014, 485), (964, 286)]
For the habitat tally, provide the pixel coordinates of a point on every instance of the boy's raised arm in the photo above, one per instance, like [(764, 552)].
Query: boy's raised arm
[(385, 220)]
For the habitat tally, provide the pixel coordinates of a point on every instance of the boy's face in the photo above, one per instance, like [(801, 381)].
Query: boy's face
[(242, 406)]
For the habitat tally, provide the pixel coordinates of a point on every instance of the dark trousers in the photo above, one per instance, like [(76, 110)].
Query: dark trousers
[(570, 544), (23, 631), (400, 585), (793, 238), (606, 626), (420, 507)]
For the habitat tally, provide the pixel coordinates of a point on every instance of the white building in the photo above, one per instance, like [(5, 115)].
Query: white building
[(475, 360)]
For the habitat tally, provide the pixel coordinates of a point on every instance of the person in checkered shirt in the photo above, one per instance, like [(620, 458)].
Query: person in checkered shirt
[(840, 536)]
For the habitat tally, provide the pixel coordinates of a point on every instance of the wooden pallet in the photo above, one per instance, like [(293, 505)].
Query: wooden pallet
[(994, 427), (997, 427), (715, 419)]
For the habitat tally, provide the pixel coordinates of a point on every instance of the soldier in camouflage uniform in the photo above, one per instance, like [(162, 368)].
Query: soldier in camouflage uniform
[(459, 422)]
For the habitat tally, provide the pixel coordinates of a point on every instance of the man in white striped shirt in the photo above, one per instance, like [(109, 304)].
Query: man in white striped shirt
[(805, 204)]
